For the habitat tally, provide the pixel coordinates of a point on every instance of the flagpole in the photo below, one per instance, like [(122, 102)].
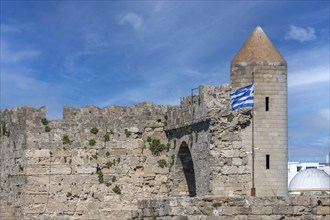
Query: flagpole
[(253, 189), (241, 98)]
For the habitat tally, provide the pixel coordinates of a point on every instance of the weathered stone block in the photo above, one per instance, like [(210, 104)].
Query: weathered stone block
[(262, 210), (34, 208), (237, 161), (37, 170), (85, 170), (282, 209), (37, 153), (304, 200), (60, 170), (229, 170), (323, 210)]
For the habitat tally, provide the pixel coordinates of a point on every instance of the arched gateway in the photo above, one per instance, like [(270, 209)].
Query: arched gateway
[(184, 172)]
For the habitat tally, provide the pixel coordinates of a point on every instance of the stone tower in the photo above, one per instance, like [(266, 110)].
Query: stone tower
[(260, 58)]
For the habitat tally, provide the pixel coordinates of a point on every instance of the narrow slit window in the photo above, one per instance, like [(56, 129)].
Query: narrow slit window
[(267, 104), (267, 161)]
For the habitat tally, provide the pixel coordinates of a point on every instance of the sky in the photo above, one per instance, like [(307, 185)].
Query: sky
[(78, 53)]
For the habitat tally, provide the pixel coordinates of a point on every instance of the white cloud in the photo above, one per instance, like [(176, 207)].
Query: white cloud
[(21, 82), (307, 67), (313, 75), (300, 34), (8, 55), (132, 19)]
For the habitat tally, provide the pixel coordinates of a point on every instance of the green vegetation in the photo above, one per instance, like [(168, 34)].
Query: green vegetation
[(47, 128), (156, 147), (68, 194), (117, 190), (110, 164), (191, 137), (154, 216), (94, 156), (107, 153), (118, 160), (114, 179), (162, 163), (165, 122), (94, 130), (216, 205), (230, 117), (64, 159), (44, 121), (100, 176), (186, 128), (92, 142), (172, 159), (127, 133), (5, 132), (107, 137), (66, 139), (108, 184)]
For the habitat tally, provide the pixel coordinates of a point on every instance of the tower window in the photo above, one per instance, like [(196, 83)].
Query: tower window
[(267, 161), (267, 104)]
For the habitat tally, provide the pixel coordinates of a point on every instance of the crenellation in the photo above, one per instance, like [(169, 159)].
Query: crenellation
[(151, 161)]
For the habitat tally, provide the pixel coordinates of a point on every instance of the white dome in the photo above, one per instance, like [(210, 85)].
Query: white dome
[(310, 180)]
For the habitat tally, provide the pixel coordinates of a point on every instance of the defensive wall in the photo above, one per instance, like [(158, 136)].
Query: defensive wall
[(44, 176), (64, 169), (236, 208), (147, 161)]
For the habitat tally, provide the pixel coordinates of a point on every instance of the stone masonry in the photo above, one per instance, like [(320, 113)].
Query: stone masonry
[(147, 161), (49, 168), (235, 208), (259, 61)]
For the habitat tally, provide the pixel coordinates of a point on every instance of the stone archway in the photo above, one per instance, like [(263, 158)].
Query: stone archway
[(185, 173)]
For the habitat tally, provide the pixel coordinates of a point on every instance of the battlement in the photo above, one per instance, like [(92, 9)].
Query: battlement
[(200, 107), (136, 147), (98, 163)]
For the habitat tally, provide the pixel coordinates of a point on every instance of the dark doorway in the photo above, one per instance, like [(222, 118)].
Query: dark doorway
[(186, 173)]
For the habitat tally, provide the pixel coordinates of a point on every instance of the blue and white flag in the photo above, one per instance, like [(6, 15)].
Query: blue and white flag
[(242, 97)]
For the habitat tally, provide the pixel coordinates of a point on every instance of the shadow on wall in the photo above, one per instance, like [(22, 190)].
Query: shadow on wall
[(185, 171)]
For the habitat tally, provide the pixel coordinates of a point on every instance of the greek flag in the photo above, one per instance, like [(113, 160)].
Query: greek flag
[(242, 97)]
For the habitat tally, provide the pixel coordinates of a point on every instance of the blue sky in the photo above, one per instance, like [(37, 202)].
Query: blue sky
[(78, 53)]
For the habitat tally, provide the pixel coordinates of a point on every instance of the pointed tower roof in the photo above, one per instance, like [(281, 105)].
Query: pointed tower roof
[(258, 48)]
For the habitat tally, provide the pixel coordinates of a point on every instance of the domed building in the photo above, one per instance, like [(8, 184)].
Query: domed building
[(310, 181)]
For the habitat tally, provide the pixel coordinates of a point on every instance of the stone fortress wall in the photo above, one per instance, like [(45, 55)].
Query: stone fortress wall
[(60, 178), (191, 161), (44, 176), (236, 208)]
